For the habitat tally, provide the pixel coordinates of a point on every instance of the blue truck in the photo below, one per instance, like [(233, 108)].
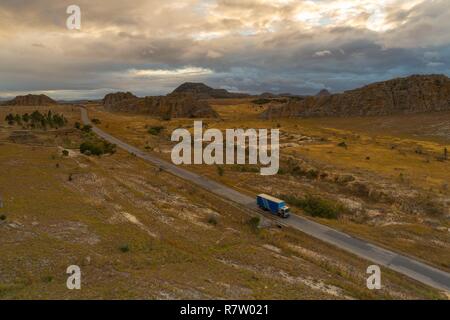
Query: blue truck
[(272, 204)]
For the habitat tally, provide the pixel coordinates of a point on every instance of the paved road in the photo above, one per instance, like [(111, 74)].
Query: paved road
[(405, 265)]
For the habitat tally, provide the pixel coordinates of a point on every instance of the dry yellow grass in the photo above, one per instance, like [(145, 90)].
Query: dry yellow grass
[(86, 208), (394, 158)]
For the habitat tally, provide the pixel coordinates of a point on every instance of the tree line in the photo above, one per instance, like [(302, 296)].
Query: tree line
[(37, 120)]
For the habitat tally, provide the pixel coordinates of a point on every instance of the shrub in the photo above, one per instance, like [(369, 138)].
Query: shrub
[(124, 247), (312, 174), (97, 147), (166, 117), (315, 206), (2, 217), (87, 128), (342, 145), (10, 119), (65, 153), (77, 125), (155, 130), (220, 171), (261, 101), (212, 219), (254, 222), (96, 121)]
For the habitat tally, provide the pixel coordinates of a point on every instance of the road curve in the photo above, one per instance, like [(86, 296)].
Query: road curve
[(405, 265)]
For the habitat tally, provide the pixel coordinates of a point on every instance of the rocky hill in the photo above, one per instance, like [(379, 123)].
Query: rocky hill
[(175, 105), (117, 98), (414, 94), (31, 100), (323, 92), (202, 91)]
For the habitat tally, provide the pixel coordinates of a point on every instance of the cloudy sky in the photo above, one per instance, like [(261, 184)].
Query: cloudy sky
[(151, 46)]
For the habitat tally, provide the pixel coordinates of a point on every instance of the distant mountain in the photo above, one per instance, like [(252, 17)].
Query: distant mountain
[(323, 93), (175, 105), (413, 94), (267, 95), (202, 91), (31, 100)]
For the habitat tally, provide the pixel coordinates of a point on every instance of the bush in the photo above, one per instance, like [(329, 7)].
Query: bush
[(254, 222), (96, 121), (315, 206), (77, 125), (87, 128), (312, 174), (155, 130), (212, 219), (124, 248), (2, 217), (97, 147), (342, 145), (166, 117), (220, 171), (65, 153), (261, 101)]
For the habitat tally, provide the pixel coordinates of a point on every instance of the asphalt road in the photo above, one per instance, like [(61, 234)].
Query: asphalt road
[(406, 265)]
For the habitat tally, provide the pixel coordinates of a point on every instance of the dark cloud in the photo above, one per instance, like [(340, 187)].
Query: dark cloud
[(149, 47)]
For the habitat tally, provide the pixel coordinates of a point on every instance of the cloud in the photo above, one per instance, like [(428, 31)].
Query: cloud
[(322, 53), (150, 46), (186, 71)]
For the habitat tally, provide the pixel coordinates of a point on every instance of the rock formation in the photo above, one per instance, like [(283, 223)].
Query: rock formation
[(175, 105), (414, 94), (31, 100), (118, 98), (202, 91)]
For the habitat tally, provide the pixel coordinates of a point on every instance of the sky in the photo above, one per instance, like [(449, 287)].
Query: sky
[(149, 47)]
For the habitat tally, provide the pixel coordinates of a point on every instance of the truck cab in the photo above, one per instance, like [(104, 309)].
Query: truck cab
[(284, 212), (272, 204)]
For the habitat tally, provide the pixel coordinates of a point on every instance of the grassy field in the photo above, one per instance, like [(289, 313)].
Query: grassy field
[(138, 232), (386, 172)]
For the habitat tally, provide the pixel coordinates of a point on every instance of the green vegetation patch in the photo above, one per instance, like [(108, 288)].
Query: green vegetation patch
[(316, 206), (37, 120), (155, 130), (97, 147), (261, 101)]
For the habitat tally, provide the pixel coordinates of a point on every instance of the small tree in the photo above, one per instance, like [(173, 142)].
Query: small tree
[(10, 119), (87, 128), (26, 118)]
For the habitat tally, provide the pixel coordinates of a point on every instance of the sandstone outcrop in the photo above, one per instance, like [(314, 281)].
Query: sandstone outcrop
[(175, 105), (31, 100), (414, 94)]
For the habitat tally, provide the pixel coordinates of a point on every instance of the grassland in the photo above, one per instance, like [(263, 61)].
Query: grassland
[(182, 242), (387, 172)]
